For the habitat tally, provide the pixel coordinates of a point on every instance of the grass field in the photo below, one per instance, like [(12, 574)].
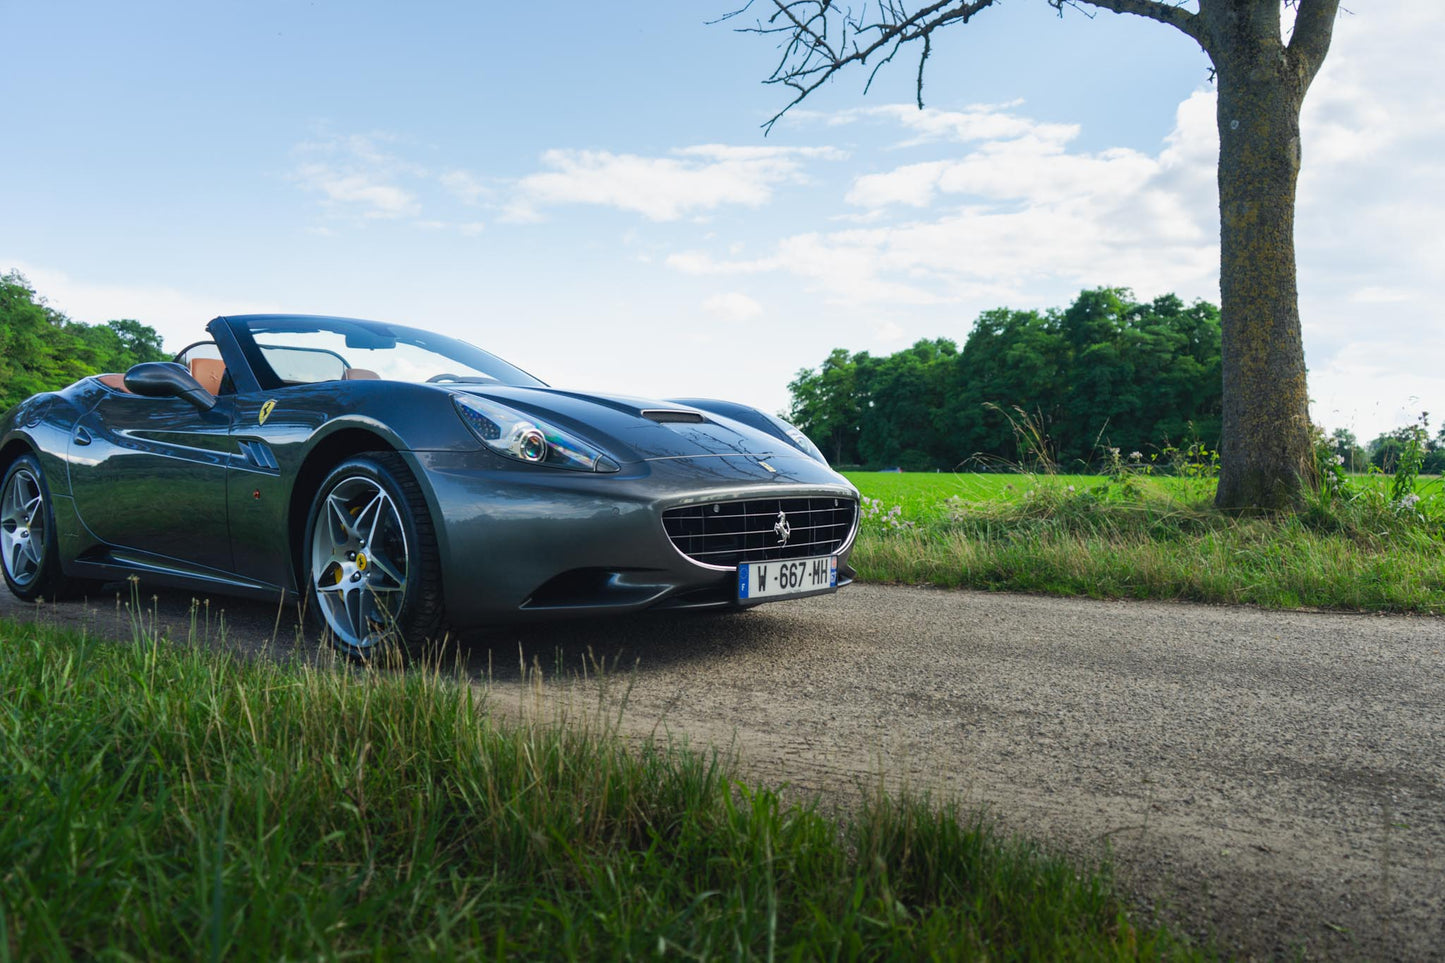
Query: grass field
[(923, 496), (1140, 536), (166, 802)]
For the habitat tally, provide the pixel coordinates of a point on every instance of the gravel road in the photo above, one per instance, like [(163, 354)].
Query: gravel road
[(1273, 780)]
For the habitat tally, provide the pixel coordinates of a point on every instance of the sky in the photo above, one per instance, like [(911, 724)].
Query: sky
[(587, 190)]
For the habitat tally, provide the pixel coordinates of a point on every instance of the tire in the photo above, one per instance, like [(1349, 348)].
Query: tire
[(29, 546), (370, 561)]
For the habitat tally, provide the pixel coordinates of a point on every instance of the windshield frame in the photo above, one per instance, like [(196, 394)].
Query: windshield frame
[(245, 328)]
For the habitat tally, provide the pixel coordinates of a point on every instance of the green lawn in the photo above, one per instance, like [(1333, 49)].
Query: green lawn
[(923, 495), (1153, 536), (924, 490)]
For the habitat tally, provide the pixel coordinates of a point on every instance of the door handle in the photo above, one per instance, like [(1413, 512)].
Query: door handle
[(81, 436)]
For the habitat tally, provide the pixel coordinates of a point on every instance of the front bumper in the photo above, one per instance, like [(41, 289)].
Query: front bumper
[(525, 544)]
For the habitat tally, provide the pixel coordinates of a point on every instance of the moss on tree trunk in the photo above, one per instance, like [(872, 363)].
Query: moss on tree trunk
[(1265, 458)]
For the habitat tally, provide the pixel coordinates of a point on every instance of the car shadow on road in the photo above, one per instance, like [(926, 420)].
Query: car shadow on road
[(640, 643)]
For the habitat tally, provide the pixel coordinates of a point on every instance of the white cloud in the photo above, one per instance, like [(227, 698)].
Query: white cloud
[(368, 195), (465, 187), (464, 228), (889, 334), (734, 307), (361, 149), (1030, 164), (1017, 215), (356, 177), (1379, 295), (361, 178), (915, 185), (1369, 388), (1370, 248), (700, 262), (691, 181), (977, 122), (520, 211)]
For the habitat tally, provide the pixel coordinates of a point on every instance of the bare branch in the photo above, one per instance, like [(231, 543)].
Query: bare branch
[(1314, 25), (1173, 14), (819, 39), (923, 59)]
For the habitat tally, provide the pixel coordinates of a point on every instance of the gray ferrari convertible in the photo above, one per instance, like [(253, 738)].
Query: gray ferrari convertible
[(403, 483)]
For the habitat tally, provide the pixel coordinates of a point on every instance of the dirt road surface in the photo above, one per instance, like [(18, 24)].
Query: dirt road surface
[(1275, 781)]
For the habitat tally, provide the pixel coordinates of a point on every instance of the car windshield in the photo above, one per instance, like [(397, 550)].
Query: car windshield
[(302, 350)]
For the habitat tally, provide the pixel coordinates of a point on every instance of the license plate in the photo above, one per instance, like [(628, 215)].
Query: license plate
[(799, 576)]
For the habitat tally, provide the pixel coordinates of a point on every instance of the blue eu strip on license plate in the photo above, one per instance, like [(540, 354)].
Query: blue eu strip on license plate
[(798, 576)]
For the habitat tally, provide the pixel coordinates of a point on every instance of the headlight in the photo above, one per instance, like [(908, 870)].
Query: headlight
[(511, 433), (799, 439)]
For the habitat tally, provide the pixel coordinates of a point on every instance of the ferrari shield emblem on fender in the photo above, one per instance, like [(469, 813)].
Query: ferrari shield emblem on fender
[(266, 410)]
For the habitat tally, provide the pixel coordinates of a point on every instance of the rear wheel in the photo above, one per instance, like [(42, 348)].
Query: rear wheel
[(370, 559), (29, 551)]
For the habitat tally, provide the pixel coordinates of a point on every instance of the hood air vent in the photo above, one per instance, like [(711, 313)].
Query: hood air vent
[(664, 416)]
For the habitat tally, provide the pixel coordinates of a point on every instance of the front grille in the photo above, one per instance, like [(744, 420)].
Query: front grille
[(726, 533)]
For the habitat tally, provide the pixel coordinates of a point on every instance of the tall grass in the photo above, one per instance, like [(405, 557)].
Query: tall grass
[(164, 802)]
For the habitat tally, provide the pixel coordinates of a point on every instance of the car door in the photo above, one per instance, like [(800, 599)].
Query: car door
[(149, 476), (271, 431)]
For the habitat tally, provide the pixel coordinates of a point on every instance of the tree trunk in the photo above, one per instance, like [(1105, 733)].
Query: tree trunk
[(1265, 458)]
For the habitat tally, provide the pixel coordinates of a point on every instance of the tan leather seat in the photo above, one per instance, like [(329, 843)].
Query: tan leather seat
[(116, 381), (209, 372), (360, 374)]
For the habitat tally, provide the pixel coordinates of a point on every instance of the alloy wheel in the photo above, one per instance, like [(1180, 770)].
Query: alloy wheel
[(359, 562), (22, 527)]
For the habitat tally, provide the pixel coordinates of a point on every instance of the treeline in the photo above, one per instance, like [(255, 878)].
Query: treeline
[(1388, 450), (1106, 372), (41, 349)]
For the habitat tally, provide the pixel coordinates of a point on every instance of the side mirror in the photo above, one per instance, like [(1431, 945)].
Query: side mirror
[(167, 379)]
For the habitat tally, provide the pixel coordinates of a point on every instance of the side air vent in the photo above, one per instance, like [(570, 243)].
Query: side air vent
[(258, 454), (664, 416)]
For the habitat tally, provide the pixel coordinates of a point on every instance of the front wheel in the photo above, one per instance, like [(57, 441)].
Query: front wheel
[(28, 542), (370, 559)]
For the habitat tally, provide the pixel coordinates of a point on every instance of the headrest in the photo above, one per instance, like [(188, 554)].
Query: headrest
[(209, 372)]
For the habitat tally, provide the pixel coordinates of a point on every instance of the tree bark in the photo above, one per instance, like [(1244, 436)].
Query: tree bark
[(1266, 458)]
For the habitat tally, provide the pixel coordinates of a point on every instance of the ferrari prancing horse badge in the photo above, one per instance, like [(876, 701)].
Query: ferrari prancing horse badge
[(265, 412)]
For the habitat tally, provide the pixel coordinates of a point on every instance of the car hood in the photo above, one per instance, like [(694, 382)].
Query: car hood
[(639, 429)]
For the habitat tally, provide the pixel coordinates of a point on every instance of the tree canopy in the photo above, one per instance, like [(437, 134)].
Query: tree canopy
[(1107, 371), (41, 349)]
